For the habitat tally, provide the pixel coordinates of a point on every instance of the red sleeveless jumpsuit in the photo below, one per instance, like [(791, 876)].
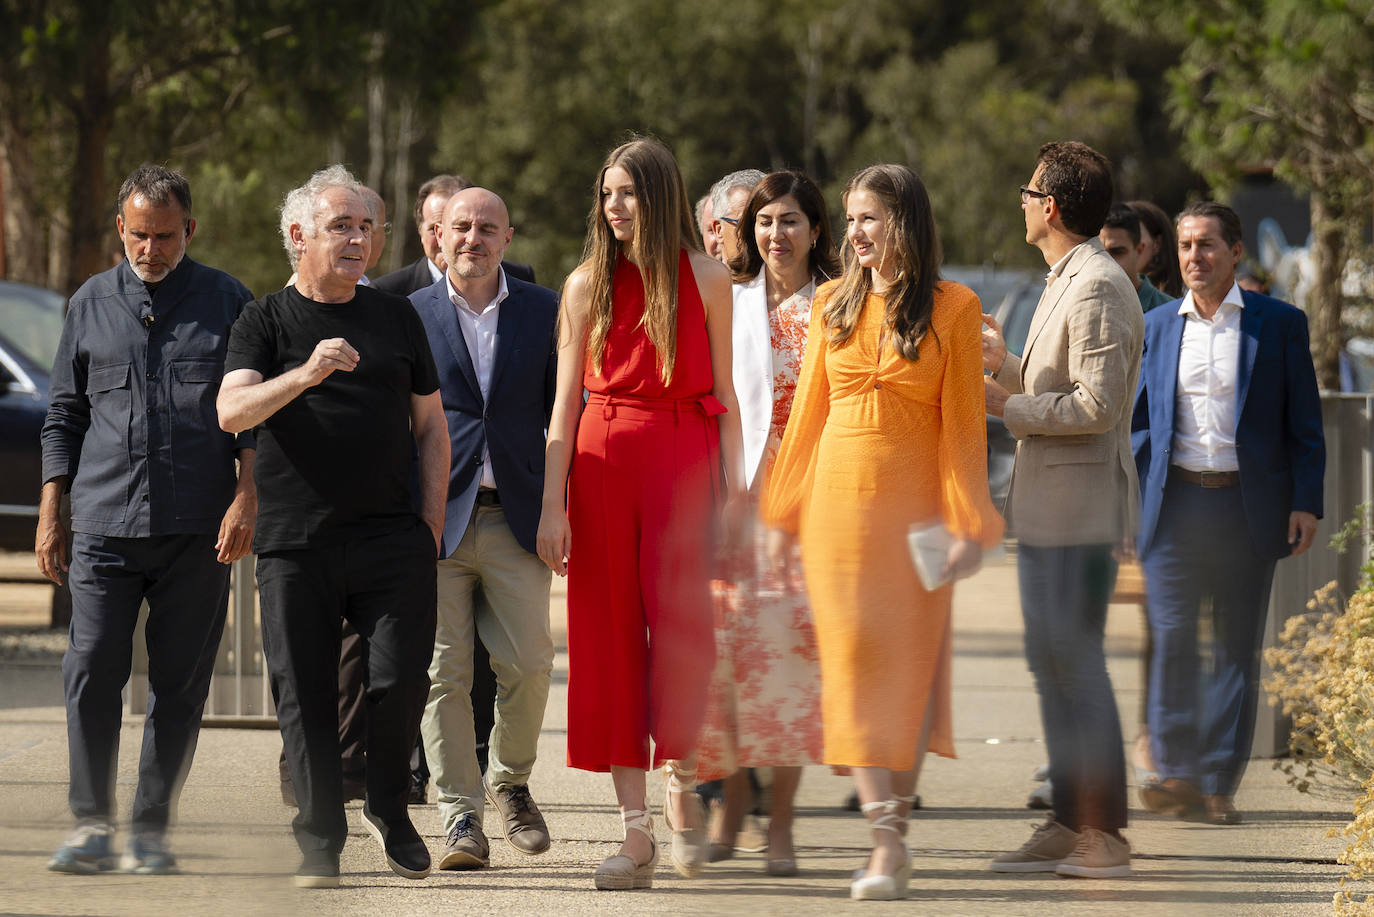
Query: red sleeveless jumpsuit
[(642, 505)]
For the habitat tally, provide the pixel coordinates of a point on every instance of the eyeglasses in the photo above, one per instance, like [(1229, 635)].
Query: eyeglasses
[(386, 228), (733, 221), (1031, 192)]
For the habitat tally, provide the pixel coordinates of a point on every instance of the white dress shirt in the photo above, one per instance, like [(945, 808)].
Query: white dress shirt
[(1205, 395), (479, 333), (434, 272)]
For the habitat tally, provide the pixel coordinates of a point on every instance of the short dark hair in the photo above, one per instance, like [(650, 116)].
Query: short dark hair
[(1080, 180), (1225, 216), (1123, 218), (448, 185), (160, 185)]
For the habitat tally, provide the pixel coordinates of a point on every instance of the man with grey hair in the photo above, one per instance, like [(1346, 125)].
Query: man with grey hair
[(158, 512), (729, 196), (706, 225), (335, 377)]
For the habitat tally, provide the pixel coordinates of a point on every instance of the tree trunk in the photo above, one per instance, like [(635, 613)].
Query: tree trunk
[(400, 189), (1329, 255), (88, 204), (25, 257)]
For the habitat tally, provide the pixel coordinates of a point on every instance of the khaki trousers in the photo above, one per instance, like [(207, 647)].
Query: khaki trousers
[(493, 587)]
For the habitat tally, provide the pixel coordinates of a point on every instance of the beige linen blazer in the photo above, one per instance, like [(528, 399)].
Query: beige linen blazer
[(1074, 479)]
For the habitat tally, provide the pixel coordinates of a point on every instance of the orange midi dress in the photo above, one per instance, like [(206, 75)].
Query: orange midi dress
[(875, 443)]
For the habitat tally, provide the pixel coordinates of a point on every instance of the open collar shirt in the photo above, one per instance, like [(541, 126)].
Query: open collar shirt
[(479, 333), (1208, 377)]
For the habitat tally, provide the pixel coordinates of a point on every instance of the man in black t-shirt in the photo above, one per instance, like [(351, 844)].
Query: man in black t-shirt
[(335, 378)]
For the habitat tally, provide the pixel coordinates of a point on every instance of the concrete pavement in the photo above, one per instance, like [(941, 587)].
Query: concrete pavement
[(236, 849)]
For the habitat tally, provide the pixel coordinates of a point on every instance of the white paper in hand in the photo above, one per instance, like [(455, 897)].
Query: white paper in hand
[(929, 543)]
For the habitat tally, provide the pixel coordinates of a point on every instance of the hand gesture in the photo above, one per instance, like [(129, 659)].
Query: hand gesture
[(329, 355), (994, 345)]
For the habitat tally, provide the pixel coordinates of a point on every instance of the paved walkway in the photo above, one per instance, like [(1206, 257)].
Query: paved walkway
[(235, 845)]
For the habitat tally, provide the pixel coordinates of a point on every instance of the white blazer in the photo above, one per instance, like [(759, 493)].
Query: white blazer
[(752, 367)]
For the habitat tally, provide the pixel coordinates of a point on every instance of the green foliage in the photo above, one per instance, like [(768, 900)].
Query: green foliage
[(525, 96)]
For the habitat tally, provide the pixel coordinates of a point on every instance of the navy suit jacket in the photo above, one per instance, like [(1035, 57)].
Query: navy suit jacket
[(1280, 448), (511, 424)]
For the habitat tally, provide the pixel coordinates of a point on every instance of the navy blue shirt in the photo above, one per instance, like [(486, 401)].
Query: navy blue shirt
[(132, 417)]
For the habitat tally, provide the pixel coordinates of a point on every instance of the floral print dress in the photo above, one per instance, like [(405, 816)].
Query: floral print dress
[(764, 702)]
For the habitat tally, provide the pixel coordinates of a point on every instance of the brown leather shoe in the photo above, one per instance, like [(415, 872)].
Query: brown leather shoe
[(520, 819), (1174, 796), (1219, 810), (467, 845)]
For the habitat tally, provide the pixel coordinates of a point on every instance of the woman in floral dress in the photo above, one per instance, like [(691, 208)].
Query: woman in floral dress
[(764, 706)]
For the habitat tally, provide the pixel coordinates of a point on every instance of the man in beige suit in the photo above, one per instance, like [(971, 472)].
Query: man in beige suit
[(1073, 499)]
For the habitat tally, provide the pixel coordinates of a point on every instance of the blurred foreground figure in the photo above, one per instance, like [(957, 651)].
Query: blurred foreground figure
[(1228, 441), (157, 512)]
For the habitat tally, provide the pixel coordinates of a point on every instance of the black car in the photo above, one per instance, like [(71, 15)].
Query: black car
[(30, 325), (1010, 296)]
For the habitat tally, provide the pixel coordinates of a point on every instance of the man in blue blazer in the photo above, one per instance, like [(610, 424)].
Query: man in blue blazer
[(493, 342), (1227, 433)]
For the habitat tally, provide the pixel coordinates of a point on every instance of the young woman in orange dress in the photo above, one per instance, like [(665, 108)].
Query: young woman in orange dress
[(886, 431), (645, 330)]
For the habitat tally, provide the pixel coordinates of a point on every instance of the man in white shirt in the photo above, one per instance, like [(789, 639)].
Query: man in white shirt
[(1228, 441), (492, 336)]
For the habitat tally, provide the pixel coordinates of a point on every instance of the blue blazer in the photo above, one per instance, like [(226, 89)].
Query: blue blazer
[(511, 424), (1279, 443)]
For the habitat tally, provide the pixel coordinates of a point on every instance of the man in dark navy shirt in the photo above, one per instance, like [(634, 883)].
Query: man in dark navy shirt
[(158, 512), (336, 377)]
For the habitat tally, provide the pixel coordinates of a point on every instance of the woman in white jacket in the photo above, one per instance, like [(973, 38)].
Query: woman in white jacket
[(764, 708)]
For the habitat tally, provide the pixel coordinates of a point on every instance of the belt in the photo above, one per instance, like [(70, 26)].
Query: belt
[(702, 404), (488, 497), (1205, 478)]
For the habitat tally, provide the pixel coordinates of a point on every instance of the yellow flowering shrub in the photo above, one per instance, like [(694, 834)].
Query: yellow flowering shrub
[(1322, 677)]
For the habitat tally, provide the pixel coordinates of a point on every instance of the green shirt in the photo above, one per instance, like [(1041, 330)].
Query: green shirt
[(1151, 295)]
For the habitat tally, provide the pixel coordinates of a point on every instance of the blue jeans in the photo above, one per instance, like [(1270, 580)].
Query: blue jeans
[(1064, 592), (1202, 718)]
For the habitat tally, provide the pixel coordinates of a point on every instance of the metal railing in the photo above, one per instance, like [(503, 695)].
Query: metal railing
[(240, 693)]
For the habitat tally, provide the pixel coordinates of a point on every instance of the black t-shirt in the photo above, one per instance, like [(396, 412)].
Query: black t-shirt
[(335, 462)]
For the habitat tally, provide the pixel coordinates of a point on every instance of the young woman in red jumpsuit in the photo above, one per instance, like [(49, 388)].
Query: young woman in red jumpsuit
[(647, 466)]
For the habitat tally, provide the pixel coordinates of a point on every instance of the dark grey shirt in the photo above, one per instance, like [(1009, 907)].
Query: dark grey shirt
[(132, 417)]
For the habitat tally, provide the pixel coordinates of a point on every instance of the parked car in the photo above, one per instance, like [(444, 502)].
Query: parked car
[(1013, 313), (30, 325), (1010, 296)]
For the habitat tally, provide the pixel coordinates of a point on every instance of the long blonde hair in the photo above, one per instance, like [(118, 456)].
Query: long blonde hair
[(912, 242), (662, 227)]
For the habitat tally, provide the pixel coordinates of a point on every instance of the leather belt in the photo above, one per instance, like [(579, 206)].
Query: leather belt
[(488, 497), (1205, 478)]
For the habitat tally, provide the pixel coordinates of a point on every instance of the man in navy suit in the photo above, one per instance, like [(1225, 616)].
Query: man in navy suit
[(1227, 432), (493, 342)]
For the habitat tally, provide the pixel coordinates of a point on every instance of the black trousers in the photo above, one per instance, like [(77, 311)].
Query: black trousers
[(187, 592), (384, 586)]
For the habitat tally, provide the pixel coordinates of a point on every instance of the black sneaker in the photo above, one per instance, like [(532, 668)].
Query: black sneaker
[(319, 869), (405, 850)]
